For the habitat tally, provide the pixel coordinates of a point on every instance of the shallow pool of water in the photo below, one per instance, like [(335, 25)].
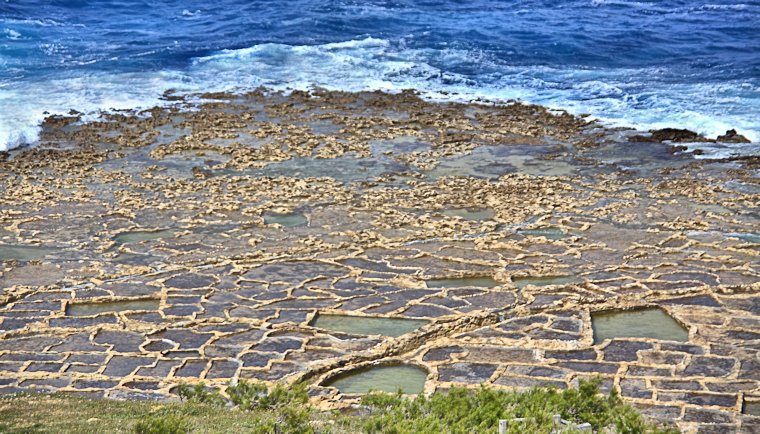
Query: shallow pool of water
[(640, 323), (522, 282), (410, 379), (140, 236), (747, 237), (474, 214), (90, 309), (17, 252), (548, 233), (751, 407), (464, 282), (289, 220), (360, 325)]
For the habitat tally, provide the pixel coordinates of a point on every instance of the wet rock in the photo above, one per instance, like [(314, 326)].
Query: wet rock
[(635, 388), (706, 416), (571, 355), (659, 412), (120, 341), (35, 357), (190, 281), (522, 382), (44, 367), (601, 368), (223, 369), (121, 366), (95, 384), (701, 399), (661, 358), (257, 360), (162, 369), (192, 368), (732, 136), (624, 351), (500, 355), (45, 383), (676, 385), (472, 373), (684, 348), (648, 371), (536, 371), (669, 134), (707, 366)]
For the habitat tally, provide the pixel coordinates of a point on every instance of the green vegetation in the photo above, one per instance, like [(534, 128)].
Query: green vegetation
[(200, 394), (169, 424), (462, 411), (255, 408)]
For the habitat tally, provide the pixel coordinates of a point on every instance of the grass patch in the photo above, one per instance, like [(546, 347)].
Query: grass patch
[(254, 408)]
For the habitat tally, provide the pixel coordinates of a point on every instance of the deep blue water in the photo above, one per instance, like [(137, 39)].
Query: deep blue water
[(686, 63)]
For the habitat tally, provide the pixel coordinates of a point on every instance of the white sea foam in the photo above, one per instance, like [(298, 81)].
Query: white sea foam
[(12, 34), (620, 97)]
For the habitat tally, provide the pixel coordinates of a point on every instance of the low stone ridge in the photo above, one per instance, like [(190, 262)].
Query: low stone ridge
[(676, 135), (374, 174)]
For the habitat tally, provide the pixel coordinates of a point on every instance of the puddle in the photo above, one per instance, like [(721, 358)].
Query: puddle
[(721, 150), (464, 282), (548, 233), (344, 169), (397, 145), (475, 214), (290, 220), (715, 209), (390, 378), (140, 236), (10, 252), (644, 158), (522, 282), (134, 259), (90, 309), (491, 162), (751, 408), (641, 323), (360, 325), (750, 238)]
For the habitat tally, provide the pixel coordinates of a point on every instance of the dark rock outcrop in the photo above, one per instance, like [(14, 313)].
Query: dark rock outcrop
[(732, 136), (677, 135), (669, 134)]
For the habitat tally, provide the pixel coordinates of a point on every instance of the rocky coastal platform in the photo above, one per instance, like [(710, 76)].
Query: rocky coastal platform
[(199, 242)]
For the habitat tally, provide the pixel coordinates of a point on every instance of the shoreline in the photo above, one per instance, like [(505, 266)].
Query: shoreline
[(248, 216), (172, 98)]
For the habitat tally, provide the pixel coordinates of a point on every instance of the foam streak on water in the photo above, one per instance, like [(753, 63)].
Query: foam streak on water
[(644, 64)]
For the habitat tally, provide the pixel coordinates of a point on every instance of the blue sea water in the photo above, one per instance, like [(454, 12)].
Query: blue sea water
[(649, 63)]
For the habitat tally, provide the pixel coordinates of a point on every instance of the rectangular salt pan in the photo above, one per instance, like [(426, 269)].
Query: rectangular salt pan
[(651, 323), (463, 282), (90, 309), (410, 379), (360, 325)]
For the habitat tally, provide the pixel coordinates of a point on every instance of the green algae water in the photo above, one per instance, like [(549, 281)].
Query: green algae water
[(651, 323), (463, 282), (359, 325), (291, 220), (90, 309), (391, 378), (140, 236), (9, 252), (522, 282)]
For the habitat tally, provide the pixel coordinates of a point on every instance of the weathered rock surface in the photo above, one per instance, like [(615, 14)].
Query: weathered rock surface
[(170, 205)]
